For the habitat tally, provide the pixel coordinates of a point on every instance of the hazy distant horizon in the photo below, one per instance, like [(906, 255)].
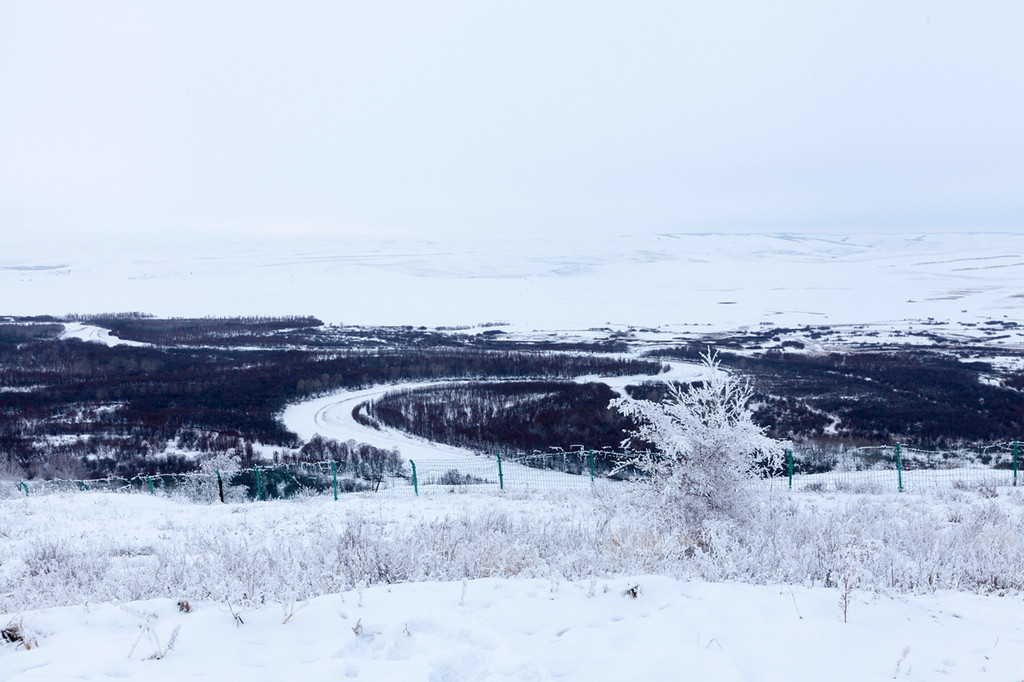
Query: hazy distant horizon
[(142, 235)]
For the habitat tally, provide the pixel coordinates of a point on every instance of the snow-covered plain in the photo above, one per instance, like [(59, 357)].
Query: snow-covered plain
[(701, 282)]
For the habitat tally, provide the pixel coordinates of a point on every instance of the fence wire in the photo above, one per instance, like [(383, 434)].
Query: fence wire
[(883, 468), (863, 469)]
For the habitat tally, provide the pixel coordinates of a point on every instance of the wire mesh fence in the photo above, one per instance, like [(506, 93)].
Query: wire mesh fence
[(576, 470), (900, 468), (861, 469)]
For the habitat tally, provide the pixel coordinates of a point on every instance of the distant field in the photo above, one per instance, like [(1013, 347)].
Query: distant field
[(702, 282)]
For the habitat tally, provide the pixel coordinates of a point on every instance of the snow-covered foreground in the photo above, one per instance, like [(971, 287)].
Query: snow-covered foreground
[(539, 629), (479, 585)]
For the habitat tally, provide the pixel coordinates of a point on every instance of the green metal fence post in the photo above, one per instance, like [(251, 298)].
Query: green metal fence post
[(1016, 446), (259, 488), (220, 485), (334, 473), (150, 479), (899, 467), (789, 461), (25, 487), (415, 485), (591, 466), (501, 476), (84, 486)]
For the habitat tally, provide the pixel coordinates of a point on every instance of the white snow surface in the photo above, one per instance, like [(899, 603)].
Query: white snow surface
[(543, 627), (698, 281), (492, 629), (94, 334)]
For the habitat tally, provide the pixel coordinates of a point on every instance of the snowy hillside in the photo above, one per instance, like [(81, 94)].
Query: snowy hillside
[(706, 281)]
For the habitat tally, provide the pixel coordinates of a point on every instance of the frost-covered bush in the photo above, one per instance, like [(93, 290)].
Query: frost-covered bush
[(454, 477), (709, 449), (202, 486)]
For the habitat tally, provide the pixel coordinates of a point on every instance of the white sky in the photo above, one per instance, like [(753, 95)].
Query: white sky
[(482, 117)]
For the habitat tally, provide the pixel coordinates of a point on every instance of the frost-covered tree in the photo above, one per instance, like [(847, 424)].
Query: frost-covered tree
[(204, 486), (709, 450)]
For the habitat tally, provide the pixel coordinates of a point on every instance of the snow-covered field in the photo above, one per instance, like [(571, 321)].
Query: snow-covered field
[(537, 629), (695, 282), (468, 586)]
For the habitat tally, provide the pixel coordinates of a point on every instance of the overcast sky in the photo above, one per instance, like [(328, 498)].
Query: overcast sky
[(431, 118)]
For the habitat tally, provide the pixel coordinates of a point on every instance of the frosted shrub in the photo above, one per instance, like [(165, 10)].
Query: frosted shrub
[(852, 573), (203, 485), (710, 449)]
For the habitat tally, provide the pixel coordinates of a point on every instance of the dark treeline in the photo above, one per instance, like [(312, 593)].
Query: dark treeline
[(919, 397), (232, 331), (515, 416), (351, 459), (92, 318), (20, 333), (299, 331)]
